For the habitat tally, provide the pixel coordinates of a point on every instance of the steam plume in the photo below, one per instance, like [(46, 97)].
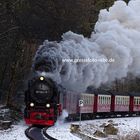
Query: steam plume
[(116, 36)]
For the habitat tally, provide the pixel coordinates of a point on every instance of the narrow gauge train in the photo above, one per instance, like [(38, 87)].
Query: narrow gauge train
[(45, 102)]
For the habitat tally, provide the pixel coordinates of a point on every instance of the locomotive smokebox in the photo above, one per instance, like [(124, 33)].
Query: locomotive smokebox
[(42, 89)]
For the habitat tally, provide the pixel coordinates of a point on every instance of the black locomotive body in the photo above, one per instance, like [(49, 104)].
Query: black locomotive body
[(42, 102)]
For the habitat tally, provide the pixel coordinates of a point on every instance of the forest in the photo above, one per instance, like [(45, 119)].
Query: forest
[(24, 24)]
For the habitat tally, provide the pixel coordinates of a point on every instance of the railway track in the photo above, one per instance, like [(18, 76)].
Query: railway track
[(38, 133)]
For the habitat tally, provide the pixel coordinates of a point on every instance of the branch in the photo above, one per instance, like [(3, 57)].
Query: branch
[(9, 30)]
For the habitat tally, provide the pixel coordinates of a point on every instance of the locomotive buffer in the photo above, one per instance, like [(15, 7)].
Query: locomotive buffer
[(81, 104)]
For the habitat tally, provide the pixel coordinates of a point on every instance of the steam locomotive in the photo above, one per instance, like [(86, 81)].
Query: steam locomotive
[(42, 102), (45, 101)]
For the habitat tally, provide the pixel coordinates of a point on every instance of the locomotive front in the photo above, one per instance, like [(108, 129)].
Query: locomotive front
[(42, 101)]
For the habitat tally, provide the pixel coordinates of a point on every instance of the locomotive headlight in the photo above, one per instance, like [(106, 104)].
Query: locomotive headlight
[(47, 105), (32, 105), (41, 78)]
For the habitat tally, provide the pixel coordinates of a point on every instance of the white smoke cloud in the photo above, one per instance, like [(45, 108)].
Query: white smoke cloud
[(61, 119), (116, 35)]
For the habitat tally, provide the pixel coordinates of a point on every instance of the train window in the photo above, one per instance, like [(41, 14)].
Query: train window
[(118, 100), (135, 101), (87, 100), (126, 101), (100, 99), (122, 99), (138, 101), (103, 99), (90, 100), (107, 100)]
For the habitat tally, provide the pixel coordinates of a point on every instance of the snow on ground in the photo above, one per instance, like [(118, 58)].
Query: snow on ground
[(126, 126), (14, 133), (62, 131)]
